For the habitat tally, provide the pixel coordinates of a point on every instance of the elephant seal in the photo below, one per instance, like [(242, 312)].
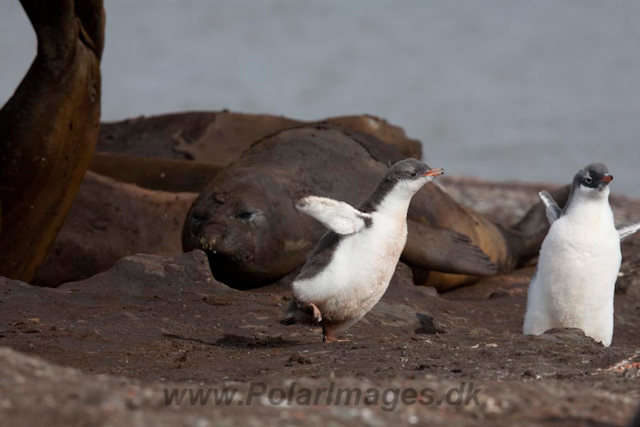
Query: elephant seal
[(48, 130), (247, 223), (161, 174), (183, 151), (220, 137)]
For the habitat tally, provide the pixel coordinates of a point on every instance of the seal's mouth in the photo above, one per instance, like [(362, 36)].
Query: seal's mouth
[(434, 172), (215, 255)]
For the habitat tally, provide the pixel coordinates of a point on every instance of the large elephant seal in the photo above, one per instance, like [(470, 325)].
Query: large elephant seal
[(170, 175), (181, 151), (247, 223), (220, 137), (48, 130)]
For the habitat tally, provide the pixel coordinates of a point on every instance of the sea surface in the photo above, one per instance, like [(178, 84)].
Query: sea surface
[(508, 90)]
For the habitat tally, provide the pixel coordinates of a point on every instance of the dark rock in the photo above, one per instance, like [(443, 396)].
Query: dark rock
[(572, 336), (429, 326), (500, 293), (119, 308), (636, 420)]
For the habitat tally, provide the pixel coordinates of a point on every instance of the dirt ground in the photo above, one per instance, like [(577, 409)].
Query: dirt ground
[(152, 323)]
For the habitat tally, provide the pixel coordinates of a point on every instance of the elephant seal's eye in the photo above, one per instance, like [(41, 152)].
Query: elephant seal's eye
[(246, 215), (588, 180), (197, 219)]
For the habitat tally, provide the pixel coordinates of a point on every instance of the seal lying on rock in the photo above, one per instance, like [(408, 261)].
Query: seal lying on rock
[(170, 175), (48, 130), (351, 267), (247, 223), (183, 151), (220, 137)]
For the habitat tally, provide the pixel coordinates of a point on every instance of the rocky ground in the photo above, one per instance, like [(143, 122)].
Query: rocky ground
[(106, 350)]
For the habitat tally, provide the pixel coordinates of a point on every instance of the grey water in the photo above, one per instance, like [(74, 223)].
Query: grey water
[(498, 89)]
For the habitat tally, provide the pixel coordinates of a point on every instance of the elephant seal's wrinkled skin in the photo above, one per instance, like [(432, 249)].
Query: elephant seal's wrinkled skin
[(247, 223), (48, 130)]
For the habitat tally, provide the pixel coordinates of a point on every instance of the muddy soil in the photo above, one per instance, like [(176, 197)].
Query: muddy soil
[(152, 322)]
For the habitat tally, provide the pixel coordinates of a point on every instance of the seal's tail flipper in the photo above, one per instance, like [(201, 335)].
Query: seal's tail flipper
[(527, 236), (444, 250)]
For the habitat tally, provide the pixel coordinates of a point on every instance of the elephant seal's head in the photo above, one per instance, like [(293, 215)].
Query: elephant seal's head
[(247, 224)]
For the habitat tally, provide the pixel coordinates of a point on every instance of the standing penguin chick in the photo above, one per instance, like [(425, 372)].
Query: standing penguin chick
[(351, 267), (579, 261)]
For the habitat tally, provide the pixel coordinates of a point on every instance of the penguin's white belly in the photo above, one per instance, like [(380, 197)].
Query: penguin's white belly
[(575, 282), (359, 272)]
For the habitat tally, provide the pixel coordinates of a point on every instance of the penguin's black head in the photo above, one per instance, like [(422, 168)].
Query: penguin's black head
[(412, 170), (402, 181), (592, 177)]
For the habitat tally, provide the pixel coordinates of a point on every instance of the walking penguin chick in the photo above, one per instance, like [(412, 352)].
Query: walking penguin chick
[(579, 261), (351, 266)]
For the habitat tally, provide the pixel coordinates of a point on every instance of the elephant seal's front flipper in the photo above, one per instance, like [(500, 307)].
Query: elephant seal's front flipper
[(48, 130), (444, 250)]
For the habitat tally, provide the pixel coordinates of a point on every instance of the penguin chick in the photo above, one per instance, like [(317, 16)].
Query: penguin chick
[(579, 261), (351, 266)]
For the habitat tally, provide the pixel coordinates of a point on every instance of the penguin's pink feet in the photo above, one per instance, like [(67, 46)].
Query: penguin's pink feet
[(327, 336)]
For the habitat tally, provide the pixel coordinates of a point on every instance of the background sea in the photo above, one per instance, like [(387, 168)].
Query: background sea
[(507, 90)]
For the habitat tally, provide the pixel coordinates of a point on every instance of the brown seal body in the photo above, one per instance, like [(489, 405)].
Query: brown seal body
[(253, 235), (170, 175), (48, 130), (170, 143), (220, 137)]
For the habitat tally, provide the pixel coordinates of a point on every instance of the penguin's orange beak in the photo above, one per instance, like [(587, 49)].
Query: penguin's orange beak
[(434, 172), (607, 178)]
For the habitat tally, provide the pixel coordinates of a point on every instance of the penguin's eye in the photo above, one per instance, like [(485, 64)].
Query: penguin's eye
[(246, 215), (197, 219), (588, 180), (413, 174)]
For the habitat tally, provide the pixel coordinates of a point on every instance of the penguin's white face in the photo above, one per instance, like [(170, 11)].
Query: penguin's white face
[(411, 175), (592, 182), (412, 186), (593, 193)]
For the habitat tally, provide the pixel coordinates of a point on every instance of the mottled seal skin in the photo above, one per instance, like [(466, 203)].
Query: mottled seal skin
[(247, 223), (48, 130)]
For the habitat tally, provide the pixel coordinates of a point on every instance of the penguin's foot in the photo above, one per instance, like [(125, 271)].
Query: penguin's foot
[(327, 336)]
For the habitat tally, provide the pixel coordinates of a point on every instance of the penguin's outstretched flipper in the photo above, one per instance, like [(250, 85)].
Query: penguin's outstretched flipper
[(628, 231), (339, 217), (440, 249), (526, 236), (552, 209)]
